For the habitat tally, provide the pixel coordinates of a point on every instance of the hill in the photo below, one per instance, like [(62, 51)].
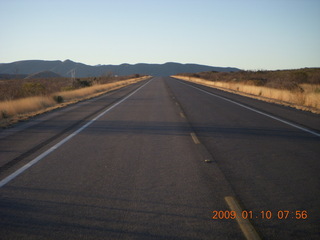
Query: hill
[(44, 74), (7, 76), (64, 68)]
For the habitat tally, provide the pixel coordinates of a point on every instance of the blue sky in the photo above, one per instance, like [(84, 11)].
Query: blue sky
[(248, 34)]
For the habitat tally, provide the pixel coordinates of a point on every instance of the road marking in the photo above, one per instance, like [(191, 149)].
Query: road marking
[(63, 141), (257, 111), (248, 230), (194, 138)]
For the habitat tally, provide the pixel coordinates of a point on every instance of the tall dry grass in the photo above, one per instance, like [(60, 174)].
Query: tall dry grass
[(11, 89), (309, 97), (83, 92), (25, 105), (29, 105)]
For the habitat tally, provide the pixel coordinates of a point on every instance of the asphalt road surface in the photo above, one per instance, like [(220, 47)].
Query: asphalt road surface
[(160, 159)]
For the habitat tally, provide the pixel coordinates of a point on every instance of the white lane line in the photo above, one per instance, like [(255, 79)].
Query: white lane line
[(195, 138), (63, 141), (257, 111), (182, 115), (246, 227)]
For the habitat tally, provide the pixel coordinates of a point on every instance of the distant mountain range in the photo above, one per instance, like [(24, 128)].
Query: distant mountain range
[(65, 68), (43, 74)]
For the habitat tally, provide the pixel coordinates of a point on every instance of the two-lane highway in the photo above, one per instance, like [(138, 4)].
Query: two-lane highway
[(131, 165)]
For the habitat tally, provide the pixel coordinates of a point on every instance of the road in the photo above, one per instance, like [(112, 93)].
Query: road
[(131, 165)]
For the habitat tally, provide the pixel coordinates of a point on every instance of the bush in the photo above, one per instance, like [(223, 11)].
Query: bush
[(300, 77), (67, 88), (78, 83), (29, 89), (58, 99), (4, 114), (256, 82)]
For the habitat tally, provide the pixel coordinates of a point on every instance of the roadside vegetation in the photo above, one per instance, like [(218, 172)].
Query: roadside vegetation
[(23, 98), (298, 88)]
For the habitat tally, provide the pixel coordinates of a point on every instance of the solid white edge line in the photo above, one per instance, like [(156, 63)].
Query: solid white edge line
[(63, 141), (257, 111)]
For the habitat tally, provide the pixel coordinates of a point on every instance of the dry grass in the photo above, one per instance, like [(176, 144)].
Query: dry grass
[(307, 99), (20, 106), (14, 110), (11, 89), (83, 92)]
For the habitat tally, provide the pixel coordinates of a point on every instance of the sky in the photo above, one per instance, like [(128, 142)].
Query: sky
[(248, 34)]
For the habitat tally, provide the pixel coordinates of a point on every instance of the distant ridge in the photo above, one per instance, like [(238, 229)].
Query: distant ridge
[(64, 68), (7, 76), (44, 74)]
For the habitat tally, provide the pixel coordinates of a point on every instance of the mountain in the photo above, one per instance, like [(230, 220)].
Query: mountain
[(6, 76), (65, 68), (44, 74)]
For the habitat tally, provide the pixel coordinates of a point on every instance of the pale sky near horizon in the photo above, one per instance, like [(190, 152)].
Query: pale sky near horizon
[(248, 34)]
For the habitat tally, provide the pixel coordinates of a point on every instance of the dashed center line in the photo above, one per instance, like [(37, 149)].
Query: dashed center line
[(248, 230), (195, 138), (182, 115)]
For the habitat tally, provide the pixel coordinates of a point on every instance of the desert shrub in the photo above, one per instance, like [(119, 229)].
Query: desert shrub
[(300, 77), (279, 79), (29, 89), (58, 99), (21, 88), (196, 75), (256, 82), (287, 85), (67, 88), (80, 83), (4, 114)]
